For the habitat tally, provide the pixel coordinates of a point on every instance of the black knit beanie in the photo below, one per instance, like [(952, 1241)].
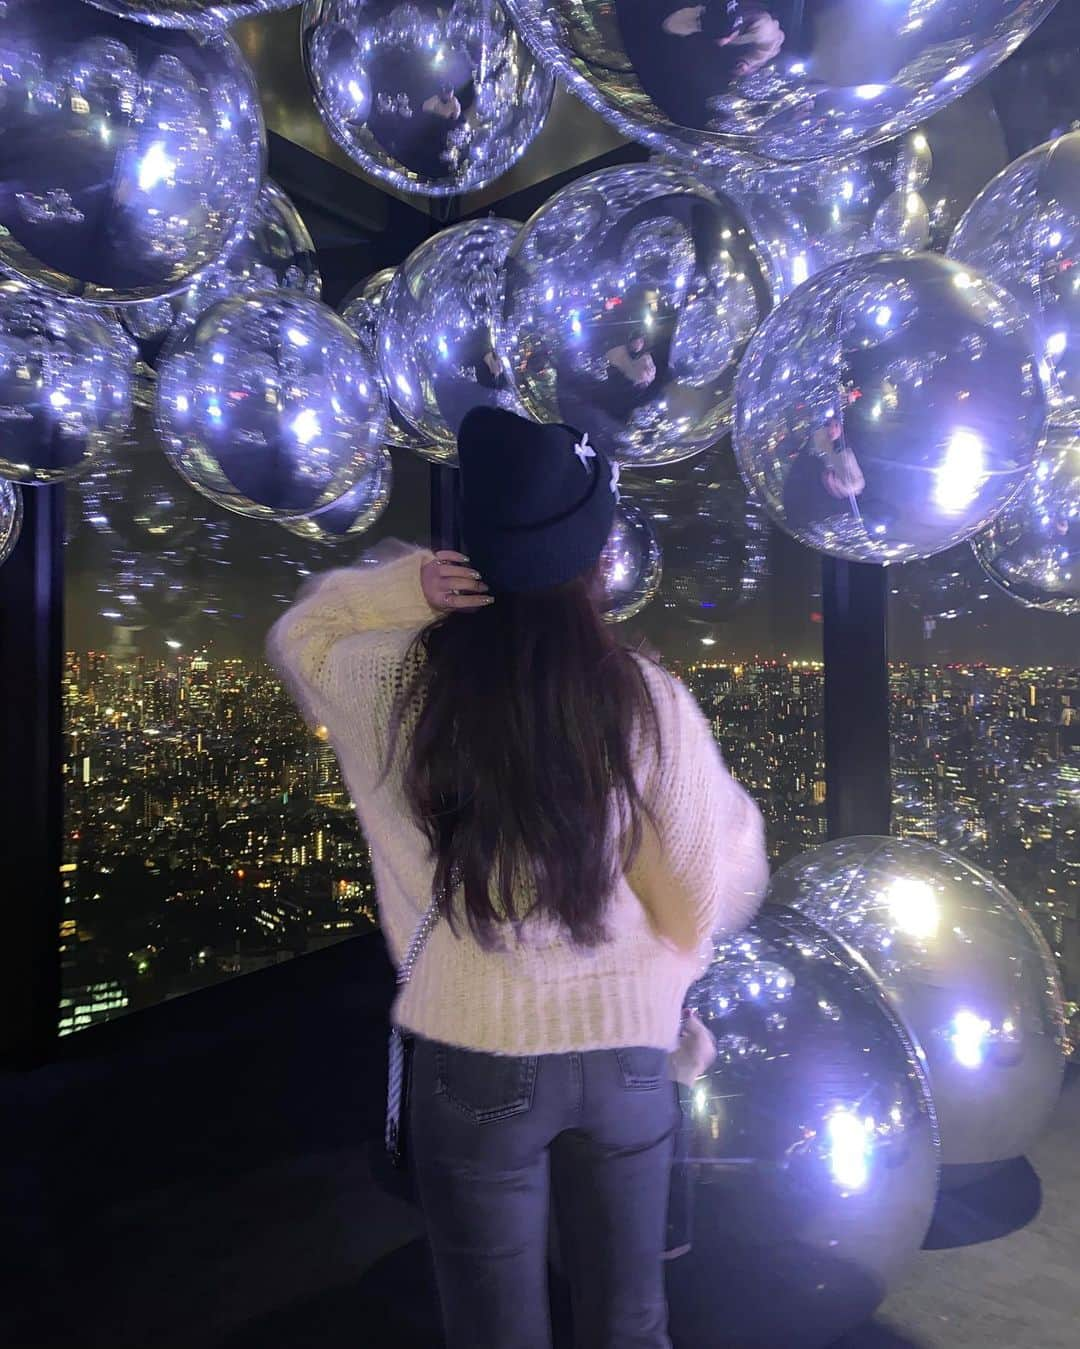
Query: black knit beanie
[(538, 502)]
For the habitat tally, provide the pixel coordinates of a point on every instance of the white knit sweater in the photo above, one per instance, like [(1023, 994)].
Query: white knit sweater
[(341, 649)]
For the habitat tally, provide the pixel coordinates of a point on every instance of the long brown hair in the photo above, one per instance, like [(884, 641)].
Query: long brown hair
[(519, 764)]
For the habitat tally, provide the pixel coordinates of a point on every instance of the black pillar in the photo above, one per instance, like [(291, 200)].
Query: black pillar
[(31, 793), (857, 767)]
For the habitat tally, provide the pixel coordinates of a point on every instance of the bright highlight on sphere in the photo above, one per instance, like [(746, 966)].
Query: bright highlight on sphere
[(65, 386), (1023, 231), (135, 154), (890, 408), (261, 423), (630, 296), (815, 1123), (964, 967), (440, 344), (434, 99), (786, 83), (1032, 549)]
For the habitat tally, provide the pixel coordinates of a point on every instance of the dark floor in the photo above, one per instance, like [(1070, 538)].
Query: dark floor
[(195, 1177)]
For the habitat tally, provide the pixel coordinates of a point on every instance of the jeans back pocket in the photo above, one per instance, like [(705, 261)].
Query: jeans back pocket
[(484, 1087), (642, 1067)]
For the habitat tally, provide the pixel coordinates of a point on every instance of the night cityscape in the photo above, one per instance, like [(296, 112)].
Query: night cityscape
[(209, 833)]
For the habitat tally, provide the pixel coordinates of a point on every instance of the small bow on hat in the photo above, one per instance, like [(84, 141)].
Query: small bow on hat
[(584, 451)]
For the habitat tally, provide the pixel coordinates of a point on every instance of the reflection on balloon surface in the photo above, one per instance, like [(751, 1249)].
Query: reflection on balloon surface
[(1023, 231), (65, 386), (355, 512), (436, 99), (890, 408), (630, 565), (11, 516), (362, 311), (274, 249), (812, 1146), (966, 969), (268, 406), (630, 296), (202, 15), (132, 155), (440, 351), (808, 217), (1032, 550), (782, 81)]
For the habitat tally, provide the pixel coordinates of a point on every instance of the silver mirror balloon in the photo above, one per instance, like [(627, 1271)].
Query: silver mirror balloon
[(967, 970), (362, 311), (812, 1148), (630, 565), (11, 517), (202, 15), (630, 296), (890, 407), (1032, 550), (782, 81), (807, 217), (440, 351), (65, 386), (436, 99), (268, 406), (354, 513), (274, 249), (1023, 231), (129, 157)]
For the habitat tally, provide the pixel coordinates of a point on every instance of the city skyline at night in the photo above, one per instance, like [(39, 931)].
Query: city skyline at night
[(208, 831)]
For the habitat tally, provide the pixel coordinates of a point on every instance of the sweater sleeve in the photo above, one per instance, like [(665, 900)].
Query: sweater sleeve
[(702, 868), (342, 604)]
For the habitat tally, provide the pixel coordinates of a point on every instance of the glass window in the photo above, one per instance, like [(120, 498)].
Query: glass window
[(738, 617), (207, 830), (985, 714)]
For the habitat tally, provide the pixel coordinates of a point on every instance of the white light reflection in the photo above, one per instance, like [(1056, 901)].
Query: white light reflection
[(968, 1039), (849, 1149), (961, 473), (913, 907)]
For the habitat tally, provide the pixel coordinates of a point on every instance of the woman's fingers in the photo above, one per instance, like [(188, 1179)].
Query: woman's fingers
[(452, 573), (472, 601)]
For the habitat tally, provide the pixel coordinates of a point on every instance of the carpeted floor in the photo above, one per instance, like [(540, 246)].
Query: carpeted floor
[(196, 1177)]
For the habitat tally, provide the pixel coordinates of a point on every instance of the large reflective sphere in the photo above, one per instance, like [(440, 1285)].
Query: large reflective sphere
[(781, 80), (966, 969), (812, 1148), (630, 565), (362, 311), (890, 408), (204, 15), (65, 386), (1023, 231), (273, 249), (355, 512), (11, 516), (807, 217), (1032, 550), (268, 406), (630, 296), (439, 343), (128, 156), (433, 98)]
